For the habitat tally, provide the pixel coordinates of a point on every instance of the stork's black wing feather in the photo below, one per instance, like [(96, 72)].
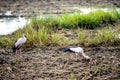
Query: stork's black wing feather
[(67, 50), (14, 48)]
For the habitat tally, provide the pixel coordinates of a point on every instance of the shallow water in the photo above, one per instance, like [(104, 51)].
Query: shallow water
[(9, 25)]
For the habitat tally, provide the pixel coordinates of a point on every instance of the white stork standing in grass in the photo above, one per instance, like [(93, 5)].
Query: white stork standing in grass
[(18, 44), (78, 50)]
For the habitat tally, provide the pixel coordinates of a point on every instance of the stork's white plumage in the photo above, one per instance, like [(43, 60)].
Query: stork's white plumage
[(77, 50), (18, 44)]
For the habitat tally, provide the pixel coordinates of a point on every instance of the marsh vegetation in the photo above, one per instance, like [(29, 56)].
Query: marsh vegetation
[(93, 29)]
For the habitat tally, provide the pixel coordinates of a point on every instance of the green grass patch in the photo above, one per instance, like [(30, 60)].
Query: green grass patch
[(91, 20), (43, 37), (43, 31), (103, 37)]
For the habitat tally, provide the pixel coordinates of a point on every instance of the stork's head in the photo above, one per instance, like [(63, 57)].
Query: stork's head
[(24, 35)]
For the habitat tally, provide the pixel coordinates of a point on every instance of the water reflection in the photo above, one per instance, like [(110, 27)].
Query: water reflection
[(9, 25), (8, 13)]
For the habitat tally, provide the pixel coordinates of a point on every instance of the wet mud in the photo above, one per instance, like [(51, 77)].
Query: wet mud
[(52, 63), (38, 7)]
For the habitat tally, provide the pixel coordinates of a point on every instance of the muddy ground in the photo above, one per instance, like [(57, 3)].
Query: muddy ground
[(52, 63), (37, 7)]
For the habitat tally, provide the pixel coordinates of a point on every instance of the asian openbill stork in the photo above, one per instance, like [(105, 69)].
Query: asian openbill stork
[(19, 43), (77, 50)]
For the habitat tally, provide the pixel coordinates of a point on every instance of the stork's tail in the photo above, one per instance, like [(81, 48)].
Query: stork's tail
[(14, 49), (67, 50)]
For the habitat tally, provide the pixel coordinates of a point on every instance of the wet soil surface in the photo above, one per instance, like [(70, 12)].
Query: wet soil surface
[(37, 7), (52, 63)]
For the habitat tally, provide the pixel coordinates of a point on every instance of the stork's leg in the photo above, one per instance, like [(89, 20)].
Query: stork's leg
[(15, 54), (21, 53), (20, 50), (76, 54)]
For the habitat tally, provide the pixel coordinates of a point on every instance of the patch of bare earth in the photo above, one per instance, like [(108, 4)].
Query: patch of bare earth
[(53, 63)]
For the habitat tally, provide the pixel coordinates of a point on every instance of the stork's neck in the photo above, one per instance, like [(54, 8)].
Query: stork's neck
[(24, 36)]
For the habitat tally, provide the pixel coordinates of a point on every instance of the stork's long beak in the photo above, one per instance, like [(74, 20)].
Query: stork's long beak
[(26, 36), (85, 56)]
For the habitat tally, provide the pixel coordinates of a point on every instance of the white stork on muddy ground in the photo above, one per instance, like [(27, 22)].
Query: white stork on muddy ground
[(18, 44), (77, 50)]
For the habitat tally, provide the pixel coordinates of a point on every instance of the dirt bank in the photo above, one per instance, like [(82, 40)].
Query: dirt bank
[(37, 7), (54, 64)]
